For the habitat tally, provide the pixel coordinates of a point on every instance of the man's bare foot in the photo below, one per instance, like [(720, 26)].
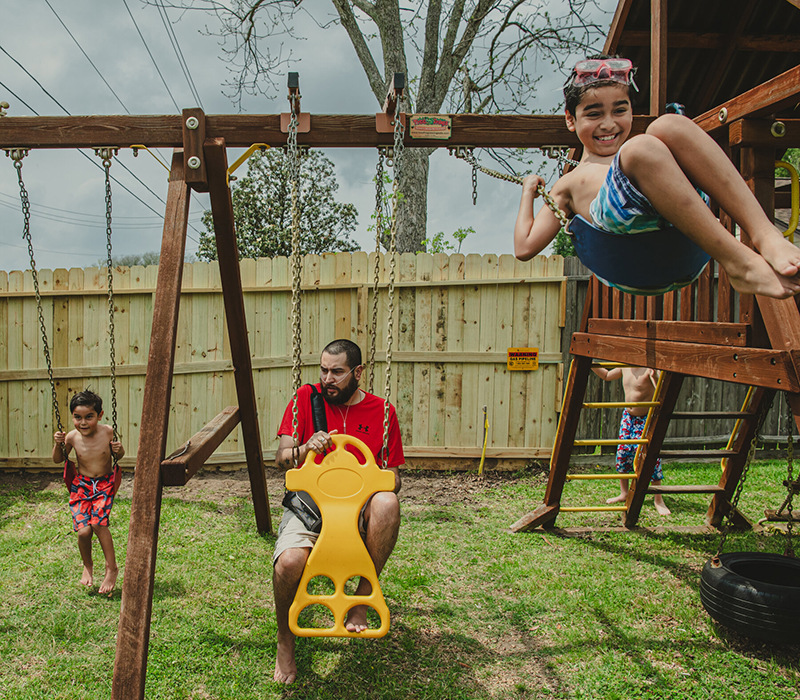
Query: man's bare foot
[(285, 666), (756, 276), (661, 507), (109, 581), (617, 499), (88, 578), (356, 619), (781, 254)]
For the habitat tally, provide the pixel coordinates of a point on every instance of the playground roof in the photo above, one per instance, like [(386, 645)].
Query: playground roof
[(717, 49)]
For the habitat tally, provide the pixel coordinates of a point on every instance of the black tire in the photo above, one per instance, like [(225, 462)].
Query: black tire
[(755, 594)]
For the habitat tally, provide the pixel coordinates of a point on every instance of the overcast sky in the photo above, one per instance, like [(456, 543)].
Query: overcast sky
[(48, 38)]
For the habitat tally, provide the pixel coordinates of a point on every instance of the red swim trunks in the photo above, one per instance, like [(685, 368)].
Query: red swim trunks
[(90, 500)]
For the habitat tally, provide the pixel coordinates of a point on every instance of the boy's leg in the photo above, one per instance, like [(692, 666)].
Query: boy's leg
[(658, 500), (382, 517), (85, 548), (112, 571), (623, 492), (665, 165), (625, 455)]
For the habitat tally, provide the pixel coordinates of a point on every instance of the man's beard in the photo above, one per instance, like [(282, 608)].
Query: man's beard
[(343, 394)]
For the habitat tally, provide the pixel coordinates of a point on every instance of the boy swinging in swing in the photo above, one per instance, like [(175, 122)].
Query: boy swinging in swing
[(652, 181), (92, 490)]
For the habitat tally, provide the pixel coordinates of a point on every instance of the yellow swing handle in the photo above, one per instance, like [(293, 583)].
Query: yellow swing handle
[(795, 217)]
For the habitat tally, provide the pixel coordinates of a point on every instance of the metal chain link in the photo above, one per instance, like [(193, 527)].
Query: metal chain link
[(106, 154), (556, 153), (740, 486), (466, 153), (293, 154), (789, 482), (16, 155), (379, 175), (399, 133)]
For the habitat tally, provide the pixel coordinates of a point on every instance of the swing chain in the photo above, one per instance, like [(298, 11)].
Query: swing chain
[(789, 482), (557, 153), (740, 486), (466, 153), (293, 154), (106, 154), (379, 175), (399, 133), (17, 154)]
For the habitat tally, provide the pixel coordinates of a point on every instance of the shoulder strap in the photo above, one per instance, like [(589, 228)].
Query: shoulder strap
[(318, 410)]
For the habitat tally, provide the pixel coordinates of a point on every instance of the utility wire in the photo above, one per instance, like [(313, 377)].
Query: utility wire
[(162, 11), (87, 57), (3, 85), (125, 2)]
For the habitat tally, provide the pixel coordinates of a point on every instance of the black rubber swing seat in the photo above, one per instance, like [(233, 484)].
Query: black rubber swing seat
[(756, 594), (650, 263)]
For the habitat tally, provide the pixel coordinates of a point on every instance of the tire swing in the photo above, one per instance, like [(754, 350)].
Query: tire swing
[(756, 593)]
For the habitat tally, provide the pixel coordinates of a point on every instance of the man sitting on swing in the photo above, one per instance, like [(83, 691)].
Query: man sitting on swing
[(345, 404)]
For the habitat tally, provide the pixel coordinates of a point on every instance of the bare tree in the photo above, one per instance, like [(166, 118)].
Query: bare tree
[(472, 55)]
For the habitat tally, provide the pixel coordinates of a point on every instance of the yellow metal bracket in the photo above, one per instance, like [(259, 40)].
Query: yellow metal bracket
[(249, 152)]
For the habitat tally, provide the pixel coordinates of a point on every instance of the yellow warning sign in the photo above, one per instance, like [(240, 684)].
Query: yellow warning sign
[(523, 358)]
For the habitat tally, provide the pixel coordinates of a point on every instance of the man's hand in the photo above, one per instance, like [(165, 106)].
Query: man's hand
[(320, 442)]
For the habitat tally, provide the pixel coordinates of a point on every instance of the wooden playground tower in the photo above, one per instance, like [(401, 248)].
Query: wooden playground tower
[(745, 339)]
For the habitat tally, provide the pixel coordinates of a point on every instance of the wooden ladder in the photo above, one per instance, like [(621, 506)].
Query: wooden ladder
[(661, 411)]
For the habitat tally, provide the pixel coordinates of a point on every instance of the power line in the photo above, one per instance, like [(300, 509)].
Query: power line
[(162, 11), (17, 97), (125, 2), (87, 57), (27, 72)]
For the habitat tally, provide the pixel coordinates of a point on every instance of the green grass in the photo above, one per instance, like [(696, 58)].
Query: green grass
[(476, 612)]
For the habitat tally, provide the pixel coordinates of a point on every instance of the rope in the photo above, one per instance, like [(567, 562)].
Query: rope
[(16, 155)]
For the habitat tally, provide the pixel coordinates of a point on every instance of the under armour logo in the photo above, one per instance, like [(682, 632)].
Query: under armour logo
[(363, 428)]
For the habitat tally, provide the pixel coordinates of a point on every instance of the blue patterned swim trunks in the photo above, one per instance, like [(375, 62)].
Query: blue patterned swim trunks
[(631, 428), (621, 209)]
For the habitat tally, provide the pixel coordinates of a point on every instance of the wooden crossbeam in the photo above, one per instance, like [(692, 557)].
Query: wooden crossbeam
[(751, 366), (178, 468), (677, 489), (242, 130), (737, 334)]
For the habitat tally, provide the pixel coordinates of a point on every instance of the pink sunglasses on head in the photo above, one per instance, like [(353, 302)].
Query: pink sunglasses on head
[(592, 70)]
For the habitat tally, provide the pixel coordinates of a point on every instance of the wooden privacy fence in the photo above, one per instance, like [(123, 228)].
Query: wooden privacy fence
[(455, 318)]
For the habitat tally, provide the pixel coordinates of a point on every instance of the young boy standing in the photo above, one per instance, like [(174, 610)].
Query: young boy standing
[(91, 493), (639, 384), (630, 187)]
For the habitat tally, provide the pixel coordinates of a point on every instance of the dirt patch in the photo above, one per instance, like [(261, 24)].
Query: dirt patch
[(419, 487)]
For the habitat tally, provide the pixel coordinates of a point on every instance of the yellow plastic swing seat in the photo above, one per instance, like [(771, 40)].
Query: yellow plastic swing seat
[(340, 484)]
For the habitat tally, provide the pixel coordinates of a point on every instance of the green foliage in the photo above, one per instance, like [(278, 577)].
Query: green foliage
[(440, 244), (262, 209), (792, 156), (151, 257), (562, 245)]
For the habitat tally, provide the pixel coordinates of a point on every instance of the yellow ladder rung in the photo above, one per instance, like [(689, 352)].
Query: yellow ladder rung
[(621, 404), (618, 441), (591, 509), (571, 477)]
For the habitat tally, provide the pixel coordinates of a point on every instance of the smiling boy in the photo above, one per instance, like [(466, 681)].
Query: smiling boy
[(91, 493), (653, 180)]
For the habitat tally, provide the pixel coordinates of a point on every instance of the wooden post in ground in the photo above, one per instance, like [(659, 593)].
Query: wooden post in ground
[(133, 635), (230, 275)]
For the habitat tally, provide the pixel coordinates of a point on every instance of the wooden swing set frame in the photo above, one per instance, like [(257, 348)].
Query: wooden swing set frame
[(761, 347)]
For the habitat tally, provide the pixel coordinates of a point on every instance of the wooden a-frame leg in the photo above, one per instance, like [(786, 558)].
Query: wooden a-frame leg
[(648, 454), (133, 635), (546, 513), (230, 275)]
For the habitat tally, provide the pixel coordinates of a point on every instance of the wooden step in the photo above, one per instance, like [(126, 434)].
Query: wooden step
[(683, 454), (686, 488), (709, 415)]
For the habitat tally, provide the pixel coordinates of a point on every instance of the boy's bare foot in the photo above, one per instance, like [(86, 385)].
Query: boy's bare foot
[(661, 507), (757, 276), (109, 581), (781, 254), (88, 578), (617, 499), (356, 619), (285, 666)]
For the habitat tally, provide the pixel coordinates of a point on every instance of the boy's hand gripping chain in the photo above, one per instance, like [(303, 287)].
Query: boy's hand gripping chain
[(340, 484)]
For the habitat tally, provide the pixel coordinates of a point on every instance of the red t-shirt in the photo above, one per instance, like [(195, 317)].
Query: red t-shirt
[(364, 420)]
